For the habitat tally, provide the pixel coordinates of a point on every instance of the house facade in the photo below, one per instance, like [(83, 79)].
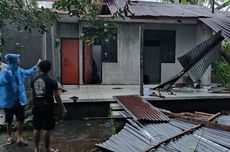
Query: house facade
[(162, 35), (163, 43)]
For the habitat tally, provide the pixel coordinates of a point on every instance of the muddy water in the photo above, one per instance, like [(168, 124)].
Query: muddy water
[(69, 136)]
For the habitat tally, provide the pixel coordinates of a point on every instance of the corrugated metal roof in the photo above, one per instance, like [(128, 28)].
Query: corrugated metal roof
[(203, 140), (217, 24), (156, 9), (200, 67), (224, 119), (136, 138), (115, 5), (140, 109)]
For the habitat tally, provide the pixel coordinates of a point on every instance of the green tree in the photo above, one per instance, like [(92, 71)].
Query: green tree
[(24, 14), (89, 11)]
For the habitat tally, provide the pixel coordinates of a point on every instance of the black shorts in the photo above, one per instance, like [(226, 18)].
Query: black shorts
[(18, 111), (43, 117)]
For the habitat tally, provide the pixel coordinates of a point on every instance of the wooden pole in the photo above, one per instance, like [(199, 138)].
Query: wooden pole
[(141, 60)]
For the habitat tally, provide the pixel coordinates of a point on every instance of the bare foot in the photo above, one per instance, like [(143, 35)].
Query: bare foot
[(37, 150), (9, 141), (22, 143)]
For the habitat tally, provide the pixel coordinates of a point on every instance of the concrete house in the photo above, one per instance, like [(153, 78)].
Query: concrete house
[(164, 31), (168, 31)]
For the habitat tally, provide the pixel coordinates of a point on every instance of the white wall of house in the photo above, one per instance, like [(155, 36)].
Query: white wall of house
[(203, 33), (126, 70)]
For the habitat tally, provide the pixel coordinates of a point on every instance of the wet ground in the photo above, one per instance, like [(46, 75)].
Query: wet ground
[(69, 136)]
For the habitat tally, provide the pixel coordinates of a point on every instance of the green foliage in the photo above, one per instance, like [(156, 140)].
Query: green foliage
[(25, 15), (28, 117), (193, 150), (221, 69), (112, 121), (89, 12), (222, 72), (95, 35)]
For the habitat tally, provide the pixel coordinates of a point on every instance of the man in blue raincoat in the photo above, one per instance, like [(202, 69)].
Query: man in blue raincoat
[(13, 95)]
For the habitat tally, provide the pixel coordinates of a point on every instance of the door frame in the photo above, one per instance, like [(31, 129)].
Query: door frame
[(160, 66)]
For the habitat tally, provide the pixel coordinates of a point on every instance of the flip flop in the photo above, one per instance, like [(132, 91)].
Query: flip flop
[(53, 150), (8, 143)]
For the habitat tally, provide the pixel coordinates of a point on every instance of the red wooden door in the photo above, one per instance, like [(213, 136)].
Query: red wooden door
[(70, 61)]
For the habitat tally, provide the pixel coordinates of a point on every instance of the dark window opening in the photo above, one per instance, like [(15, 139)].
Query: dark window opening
[(108, 45), (168, 46), (105, 10), (109, 50), (153, 43), (166, 40)]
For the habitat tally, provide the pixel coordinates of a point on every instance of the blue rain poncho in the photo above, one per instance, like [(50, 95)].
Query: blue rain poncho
[(12, 78)]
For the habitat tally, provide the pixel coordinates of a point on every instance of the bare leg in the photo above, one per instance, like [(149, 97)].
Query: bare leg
[(37, 134), (19, 132), (9, 132), (47, 140)]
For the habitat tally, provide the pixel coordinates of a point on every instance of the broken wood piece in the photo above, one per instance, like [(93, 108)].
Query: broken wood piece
[(203, 113), (90, 118)]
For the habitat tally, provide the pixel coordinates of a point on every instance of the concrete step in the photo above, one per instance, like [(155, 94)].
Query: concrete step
[(115, 107), (116, 114)]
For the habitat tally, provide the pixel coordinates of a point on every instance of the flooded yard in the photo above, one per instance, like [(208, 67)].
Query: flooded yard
[(69, 136)]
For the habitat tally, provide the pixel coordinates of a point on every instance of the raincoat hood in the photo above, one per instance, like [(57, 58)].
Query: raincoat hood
[(12, 59), (12, 78)]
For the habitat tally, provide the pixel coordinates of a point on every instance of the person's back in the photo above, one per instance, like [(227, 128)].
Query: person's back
[(44, 90), (43, 86)]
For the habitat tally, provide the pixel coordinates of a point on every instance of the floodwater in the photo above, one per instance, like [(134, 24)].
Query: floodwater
[(69, 136)]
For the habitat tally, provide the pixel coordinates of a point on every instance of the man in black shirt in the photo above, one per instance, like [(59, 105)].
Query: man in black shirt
[(44, 89)]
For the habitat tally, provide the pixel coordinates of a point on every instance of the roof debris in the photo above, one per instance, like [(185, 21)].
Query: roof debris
[(140, 109), (200, 57), (182, 133)]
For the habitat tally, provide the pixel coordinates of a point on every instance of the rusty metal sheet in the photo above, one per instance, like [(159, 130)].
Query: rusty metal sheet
[(140, 109)]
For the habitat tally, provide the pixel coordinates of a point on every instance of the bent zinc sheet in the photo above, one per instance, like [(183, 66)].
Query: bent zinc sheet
[(140, 109), (202, 65), (201, 60), (137, 138)]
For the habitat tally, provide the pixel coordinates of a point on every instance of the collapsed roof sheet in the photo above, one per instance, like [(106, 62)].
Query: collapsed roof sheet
[(140, 109), (202, 65), (136, 138)]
